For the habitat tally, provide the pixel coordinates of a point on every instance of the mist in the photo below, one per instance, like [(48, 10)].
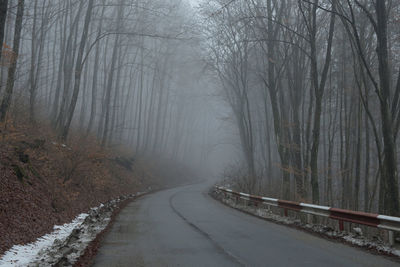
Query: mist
[(131, 73), (126, 124), (283, 97)]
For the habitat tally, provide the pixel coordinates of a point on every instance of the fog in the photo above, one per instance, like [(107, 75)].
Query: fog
[(294, 99), (131, 73)]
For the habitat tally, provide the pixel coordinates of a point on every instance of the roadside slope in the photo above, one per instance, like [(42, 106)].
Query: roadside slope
[(44, 182)]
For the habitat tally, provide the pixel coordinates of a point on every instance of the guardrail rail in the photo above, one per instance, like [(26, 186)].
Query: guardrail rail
[(389, 223)]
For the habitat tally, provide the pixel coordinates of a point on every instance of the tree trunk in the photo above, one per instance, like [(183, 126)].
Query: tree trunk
[(110, 82), (93, 107), (391, 199), (319, 87), (5, 104), (3, 16), (78, 71)]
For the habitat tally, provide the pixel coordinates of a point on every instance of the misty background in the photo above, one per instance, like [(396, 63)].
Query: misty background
[(292, 99), (143, 84)]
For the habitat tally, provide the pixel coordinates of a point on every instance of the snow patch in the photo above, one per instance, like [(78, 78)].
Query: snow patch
[(22, 255), (67, 242)]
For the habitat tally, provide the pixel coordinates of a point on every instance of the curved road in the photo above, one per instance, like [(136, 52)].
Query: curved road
[(186, 227)]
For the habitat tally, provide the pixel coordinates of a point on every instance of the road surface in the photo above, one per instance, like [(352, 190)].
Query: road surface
[(186, 227)]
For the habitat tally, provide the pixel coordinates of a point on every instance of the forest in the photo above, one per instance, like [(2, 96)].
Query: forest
[(314, 90), (211, 132), (105, 68), (304, 95)]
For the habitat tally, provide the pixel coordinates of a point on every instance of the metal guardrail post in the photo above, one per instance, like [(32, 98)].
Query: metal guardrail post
[(391, 238), (309, 218), (341, 226)]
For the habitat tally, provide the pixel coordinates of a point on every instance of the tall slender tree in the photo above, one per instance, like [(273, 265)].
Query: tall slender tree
[(5, 103)]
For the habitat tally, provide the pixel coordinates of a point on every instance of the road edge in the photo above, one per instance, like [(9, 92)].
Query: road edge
[(86, 259), (371, 250)]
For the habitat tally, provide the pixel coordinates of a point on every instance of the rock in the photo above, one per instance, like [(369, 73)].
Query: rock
[(377, 239), (358, 231), (64, 250), (77, 231), (326, 229), (297, 221), (64, 261), (57, 242)]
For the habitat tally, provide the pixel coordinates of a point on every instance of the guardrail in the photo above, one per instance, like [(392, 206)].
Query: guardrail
[(389, 223)]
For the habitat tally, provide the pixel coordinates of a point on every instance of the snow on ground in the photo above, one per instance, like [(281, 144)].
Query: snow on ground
[(22, 255), (67, 242)]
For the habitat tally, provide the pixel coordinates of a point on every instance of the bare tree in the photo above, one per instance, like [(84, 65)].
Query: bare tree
[(5, 104)]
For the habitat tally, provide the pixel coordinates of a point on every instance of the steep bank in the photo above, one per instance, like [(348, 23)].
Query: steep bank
[(44, 182)]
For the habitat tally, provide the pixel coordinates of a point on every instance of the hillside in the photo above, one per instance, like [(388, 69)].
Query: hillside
[(44, 182)]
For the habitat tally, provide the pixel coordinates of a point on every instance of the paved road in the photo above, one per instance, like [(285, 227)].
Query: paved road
[(186, 227)]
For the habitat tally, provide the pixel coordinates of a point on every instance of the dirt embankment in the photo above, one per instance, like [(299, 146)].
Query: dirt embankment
[(44, 182)]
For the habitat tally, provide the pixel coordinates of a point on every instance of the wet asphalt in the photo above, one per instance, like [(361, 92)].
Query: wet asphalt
[(184, 226)]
